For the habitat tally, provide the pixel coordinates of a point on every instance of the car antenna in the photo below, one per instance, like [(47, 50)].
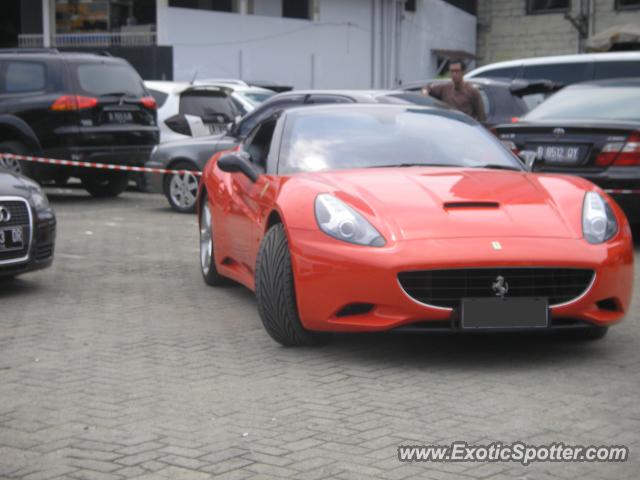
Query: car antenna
[(194, 77)]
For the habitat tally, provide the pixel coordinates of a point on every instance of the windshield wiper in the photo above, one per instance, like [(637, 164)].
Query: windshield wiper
[(496, 166), (404, 165)]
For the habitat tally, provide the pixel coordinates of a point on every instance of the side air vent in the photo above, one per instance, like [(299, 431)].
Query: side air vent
[(452, 205)]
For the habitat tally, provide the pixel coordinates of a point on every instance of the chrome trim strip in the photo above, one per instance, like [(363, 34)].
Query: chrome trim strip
[(555, 305), (31, 228), (445, 309)]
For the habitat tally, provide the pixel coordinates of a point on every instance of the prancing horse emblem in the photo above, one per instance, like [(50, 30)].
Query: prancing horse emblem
[(500, 286)]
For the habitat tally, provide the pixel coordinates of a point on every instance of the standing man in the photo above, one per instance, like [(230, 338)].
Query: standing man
[(458, 94)]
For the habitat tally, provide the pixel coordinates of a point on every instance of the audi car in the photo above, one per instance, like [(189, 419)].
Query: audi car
[(361, 218), (591, 130), (27, 226)]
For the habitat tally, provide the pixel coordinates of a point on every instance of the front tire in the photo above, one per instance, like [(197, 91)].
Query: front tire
[(181, 189), (107, 184), (207, 252), (275, 292)]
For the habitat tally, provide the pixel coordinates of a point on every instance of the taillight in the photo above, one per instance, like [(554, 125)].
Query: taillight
[(68, 103), (621, 154), (149, 102), (515, 119)]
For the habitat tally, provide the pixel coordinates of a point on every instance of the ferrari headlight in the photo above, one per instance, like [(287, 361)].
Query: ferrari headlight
[(40, 200), (337, 219), (598, 221)]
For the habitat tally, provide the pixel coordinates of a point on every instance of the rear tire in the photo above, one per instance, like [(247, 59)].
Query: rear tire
[(16, 166), (181, 189), (107, 184), (275, 292)]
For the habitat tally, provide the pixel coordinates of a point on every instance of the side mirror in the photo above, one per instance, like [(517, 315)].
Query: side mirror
[(238, 162), (529, 158)]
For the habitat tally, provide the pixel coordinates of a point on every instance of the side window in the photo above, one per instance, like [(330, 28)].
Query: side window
[(264, 111), (259, 141), (616, 69), (317, 99), (22, 77), (566, 73), (160, 97)]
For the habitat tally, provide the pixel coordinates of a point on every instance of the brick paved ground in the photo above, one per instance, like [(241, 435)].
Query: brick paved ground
[(120, 363)]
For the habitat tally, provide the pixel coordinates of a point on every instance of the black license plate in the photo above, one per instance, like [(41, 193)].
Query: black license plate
[(561, 154), (11, 239), (120, 117), (504, 313)]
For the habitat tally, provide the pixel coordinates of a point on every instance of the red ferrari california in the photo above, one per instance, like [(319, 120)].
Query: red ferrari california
[(360, 218)]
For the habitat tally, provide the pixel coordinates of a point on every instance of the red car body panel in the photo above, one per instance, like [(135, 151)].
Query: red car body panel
[(431, 218)]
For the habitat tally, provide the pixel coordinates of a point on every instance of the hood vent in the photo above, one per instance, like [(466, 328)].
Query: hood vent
[(452, 205)]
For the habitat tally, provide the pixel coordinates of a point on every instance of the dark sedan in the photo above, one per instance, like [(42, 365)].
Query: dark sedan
[(27, 226), (504, 100), (193, 154), (590, 129)]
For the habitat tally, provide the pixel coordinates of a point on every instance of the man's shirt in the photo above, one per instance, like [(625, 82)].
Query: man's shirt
[(467, 99)]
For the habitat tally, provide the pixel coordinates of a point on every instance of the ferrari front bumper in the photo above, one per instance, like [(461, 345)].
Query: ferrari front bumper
[(350, 288)]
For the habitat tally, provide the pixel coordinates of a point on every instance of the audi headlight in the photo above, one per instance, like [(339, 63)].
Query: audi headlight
[(40, 200), (598, 221), (338, 220)]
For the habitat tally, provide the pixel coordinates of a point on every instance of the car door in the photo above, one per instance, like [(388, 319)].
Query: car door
[(249, 207)]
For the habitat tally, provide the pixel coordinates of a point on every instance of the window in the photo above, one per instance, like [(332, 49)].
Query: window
[(24, 77), (616, 69), (317, 99), (296, 9), (265, 111), (211, 106), (215, 5), (112, 78), (627, 4), (548, 6), (508, 72), (259, 142), (469, 6), (160, 97), (410, 5), (565, 73)]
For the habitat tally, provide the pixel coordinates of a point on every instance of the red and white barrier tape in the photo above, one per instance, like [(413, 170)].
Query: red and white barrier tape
[(126, 168), (106, 166)]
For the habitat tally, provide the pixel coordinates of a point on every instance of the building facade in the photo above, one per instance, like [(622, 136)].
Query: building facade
[(511, 29), (302, 43)]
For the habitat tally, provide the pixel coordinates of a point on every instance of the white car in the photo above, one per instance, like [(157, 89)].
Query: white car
[(188, 110), (245, 96)]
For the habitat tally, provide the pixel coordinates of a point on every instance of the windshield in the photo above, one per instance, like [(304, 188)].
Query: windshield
[(104, 79), (607, 103), (380, 137), (256, 98)]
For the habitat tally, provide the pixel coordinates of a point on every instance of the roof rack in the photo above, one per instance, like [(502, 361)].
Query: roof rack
[(53, 51)]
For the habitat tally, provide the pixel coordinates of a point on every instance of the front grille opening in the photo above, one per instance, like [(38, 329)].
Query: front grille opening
[(354, 309), (609, 304), (446, 288)]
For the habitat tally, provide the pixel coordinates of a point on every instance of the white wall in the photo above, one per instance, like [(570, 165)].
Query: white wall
[(434, 25), (333, 51)]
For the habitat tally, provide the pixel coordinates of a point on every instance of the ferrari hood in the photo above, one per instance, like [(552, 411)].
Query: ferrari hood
[(416, 203)]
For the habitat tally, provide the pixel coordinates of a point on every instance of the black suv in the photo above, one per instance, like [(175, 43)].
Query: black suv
[(74, 106)]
